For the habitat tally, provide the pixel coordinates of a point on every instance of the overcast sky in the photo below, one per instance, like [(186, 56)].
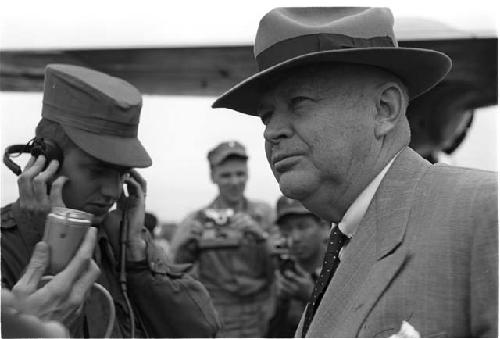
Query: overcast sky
[(97, 23)]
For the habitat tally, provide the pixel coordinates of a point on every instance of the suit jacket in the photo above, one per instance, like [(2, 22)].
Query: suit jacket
[(426, 252)]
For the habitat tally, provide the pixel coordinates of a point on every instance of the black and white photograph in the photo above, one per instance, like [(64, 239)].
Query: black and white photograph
[(269, 169)]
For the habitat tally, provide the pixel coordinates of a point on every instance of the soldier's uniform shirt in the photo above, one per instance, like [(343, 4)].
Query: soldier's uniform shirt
[(239, 280)]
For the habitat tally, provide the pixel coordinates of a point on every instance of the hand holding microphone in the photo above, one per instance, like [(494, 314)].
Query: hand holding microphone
[(61, 298)]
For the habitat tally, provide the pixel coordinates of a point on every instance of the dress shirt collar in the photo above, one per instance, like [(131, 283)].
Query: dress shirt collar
[(350, 222)]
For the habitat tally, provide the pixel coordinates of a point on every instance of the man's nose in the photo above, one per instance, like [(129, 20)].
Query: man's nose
[(278, 127), (235, 180), (295, 236), (111, 186)]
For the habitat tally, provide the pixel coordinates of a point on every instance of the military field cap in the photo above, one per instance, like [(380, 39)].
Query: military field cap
[(291, 37), (223, 150), (98, 112), (287, 206)]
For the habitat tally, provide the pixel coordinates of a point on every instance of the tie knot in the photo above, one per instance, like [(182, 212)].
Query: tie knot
[(336, 233)]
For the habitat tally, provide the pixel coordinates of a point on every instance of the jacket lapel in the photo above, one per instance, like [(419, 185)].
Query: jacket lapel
[(373, 256)]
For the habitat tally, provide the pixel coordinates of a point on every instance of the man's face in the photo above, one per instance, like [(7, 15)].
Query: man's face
[(93, 186), (318, 130), (231, 177), (306, 233)]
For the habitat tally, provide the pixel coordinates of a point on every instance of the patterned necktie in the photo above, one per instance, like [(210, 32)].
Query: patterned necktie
[(330, 263)]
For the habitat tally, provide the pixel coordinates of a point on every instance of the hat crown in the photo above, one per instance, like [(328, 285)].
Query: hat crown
[(89, 100), (286, 206), (281, 24), (225, 149), (98, 112)]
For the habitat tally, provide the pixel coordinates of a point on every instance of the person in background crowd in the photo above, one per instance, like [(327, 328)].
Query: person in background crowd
[(163, 237), (227, 242), (150, 222), (305, 236), (92, 118), (414, 248)]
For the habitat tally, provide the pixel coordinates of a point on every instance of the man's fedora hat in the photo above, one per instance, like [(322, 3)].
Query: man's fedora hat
[(98, 112), (290, 37)]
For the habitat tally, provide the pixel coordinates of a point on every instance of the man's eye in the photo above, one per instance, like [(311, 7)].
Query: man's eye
[(299, 100), (265, 117)]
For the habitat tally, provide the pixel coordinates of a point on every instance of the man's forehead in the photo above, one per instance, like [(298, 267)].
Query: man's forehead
[(285, 86), (314, 78), (319, 78)]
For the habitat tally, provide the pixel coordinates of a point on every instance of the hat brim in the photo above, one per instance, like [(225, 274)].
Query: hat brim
[(420, 69), (126, 152)]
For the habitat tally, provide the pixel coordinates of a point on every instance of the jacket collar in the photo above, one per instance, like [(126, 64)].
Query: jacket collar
[(392, 213), (371, 259)]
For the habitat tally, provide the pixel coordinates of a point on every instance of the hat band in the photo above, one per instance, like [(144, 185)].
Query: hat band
[(305, 44), (90, 124)]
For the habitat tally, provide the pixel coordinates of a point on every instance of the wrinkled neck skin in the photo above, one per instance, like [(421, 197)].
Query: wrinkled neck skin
[(330, 204)]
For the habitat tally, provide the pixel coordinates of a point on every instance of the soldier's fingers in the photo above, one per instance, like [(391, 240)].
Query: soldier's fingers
[(56, 192), (140, 179), (25, 180), (40, 181), (134, 188), (8, 298), (83, 284), (30, 163), (36, 168), (34, 271), (287, 286), (300, 271)]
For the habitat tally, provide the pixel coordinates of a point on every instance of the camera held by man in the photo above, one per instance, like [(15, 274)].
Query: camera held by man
[(217, 231), (281, 250)]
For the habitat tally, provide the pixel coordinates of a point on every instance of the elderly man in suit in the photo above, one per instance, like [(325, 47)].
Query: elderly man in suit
[(413, 246)]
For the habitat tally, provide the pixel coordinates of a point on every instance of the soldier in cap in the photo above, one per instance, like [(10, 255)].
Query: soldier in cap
[(419, 241), (93, 118), (227, 242), (304, 237)]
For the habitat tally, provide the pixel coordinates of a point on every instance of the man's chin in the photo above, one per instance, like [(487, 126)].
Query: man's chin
[(295, 185)]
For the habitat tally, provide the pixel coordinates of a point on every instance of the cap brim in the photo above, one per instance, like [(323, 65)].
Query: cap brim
[(223, 156), (126, 152), (420, 69), (293, 211)]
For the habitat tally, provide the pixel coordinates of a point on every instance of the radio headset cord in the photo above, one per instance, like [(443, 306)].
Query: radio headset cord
[(123, 260), (111, 320)]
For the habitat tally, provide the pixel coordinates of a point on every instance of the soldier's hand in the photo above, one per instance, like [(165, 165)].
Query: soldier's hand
[(16, 324), (195, 230), (33, 184), (298, 283), (246, 224), (134, 207), (61, 298)]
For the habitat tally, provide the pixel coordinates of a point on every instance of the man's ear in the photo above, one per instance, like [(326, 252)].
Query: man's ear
[(391, 105)]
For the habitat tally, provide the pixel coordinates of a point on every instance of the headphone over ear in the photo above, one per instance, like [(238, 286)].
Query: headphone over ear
[(36, 147)]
